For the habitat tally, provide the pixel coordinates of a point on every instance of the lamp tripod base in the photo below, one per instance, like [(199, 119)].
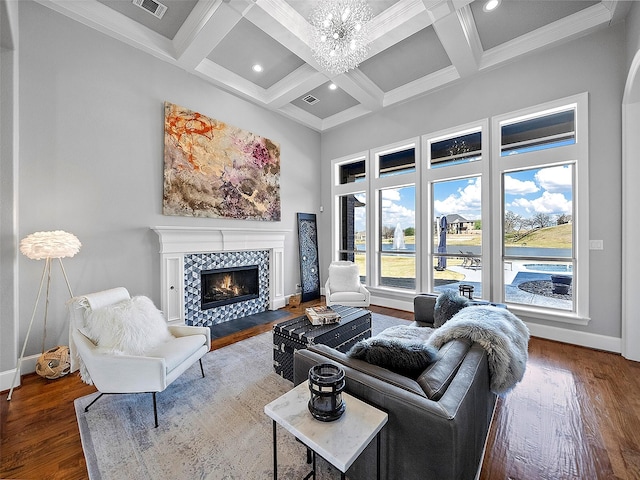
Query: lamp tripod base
[(46, 271)]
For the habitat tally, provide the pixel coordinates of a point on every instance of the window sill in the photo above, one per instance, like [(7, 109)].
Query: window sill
[(544, 314)]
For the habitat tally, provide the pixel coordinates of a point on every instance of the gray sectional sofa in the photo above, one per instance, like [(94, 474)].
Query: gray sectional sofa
[(438, 420)]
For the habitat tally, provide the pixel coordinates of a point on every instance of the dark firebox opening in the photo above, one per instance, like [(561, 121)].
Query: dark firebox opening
[(224, 286)]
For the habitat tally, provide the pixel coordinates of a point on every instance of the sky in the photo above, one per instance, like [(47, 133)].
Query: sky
[(547, 190)]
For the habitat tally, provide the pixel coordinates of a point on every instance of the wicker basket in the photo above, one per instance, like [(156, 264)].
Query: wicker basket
[(294, 300)]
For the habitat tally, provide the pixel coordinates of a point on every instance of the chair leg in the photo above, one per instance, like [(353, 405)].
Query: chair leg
[(155, 409), (201, 368), (86, 409)]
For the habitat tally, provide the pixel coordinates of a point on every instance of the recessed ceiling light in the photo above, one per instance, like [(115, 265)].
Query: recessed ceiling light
[(257, 68), (491, 5), (332, 86)]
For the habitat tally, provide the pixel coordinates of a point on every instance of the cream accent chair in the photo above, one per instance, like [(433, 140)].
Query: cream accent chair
[(149, 373), (343, 286)]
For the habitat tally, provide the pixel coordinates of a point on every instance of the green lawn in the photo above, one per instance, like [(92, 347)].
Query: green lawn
[(404, 267)]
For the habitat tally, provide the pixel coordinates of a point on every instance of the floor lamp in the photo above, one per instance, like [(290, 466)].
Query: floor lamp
[(45, 246)]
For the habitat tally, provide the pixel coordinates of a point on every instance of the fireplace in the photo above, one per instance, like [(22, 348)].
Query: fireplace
[(224, 286), (186, 251)]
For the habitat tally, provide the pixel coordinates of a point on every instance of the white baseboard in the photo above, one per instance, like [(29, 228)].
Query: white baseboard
[(28, 365), (280, 302), (574, 337), (398, 304)]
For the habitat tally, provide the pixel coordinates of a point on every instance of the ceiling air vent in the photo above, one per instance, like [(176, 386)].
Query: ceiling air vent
[(310, 99), (154, 8)]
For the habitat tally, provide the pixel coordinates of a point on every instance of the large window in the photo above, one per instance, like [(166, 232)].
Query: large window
[(398, 237), (538, 236), (543, 234), (350, 211), (457, 234), (456, 162), (498, 206), (396, 217)]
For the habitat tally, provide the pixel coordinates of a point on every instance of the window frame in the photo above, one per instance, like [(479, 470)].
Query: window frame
[(378, 183), (460, 171), (339, 190), (490, 169), (576, 154)]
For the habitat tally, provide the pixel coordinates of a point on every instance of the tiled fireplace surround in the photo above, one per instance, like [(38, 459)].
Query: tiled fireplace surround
[(184, 251)]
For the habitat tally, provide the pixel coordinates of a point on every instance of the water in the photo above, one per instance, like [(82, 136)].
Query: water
[(476, 250), (547, 267)]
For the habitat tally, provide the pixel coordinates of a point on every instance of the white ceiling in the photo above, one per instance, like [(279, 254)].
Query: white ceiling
[(417, 45)]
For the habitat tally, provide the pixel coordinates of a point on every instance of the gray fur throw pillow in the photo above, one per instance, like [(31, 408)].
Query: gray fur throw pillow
[(401, 356), (447, 305)]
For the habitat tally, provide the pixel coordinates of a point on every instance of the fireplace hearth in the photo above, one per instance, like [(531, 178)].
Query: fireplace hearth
[(225, 286)]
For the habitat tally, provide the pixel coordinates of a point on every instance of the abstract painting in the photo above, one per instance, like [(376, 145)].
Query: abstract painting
[(212, 169)]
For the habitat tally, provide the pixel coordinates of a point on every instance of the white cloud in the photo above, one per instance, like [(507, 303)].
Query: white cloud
[(513, 186), (466, 201), (394, 213), (555, 179), (391, 194), (552, 203)]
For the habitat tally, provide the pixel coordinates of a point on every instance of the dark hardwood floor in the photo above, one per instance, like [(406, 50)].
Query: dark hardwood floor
[(576, 415)]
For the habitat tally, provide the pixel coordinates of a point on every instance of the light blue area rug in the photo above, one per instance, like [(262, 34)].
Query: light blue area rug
[(209, 428)]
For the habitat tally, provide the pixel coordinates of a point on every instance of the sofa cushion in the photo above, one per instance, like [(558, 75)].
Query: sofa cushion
[(344, 277), (177, 350), (383, 374), (437, 376), (129, 327), (338, 297), (399, 355), (447, 305)]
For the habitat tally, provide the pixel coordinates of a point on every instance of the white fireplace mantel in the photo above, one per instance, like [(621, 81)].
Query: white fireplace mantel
[(175, 242)]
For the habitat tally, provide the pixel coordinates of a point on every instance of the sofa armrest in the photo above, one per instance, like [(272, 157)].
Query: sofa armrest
[(366, 293), (327, 289), (423, 305), (186, 330)]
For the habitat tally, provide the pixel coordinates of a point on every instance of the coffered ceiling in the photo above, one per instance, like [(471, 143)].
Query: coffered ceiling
[(416, 45)]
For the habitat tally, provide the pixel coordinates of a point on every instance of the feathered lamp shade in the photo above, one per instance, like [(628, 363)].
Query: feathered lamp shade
[(54, 244)]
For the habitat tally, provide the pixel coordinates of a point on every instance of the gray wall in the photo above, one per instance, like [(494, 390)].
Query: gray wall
[(633, 31), (595, 64), (91, 161), (8, 70)]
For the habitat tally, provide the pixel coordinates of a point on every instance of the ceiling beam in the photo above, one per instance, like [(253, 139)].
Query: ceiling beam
[(578, 24), (360, 87), (297, 83), (460, 40), (205, 27)]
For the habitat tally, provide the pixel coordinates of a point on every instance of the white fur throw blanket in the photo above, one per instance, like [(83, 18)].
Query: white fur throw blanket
[(504, 337)]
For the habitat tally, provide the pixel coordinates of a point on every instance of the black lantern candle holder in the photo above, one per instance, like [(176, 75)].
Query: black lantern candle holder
[(326, 382)]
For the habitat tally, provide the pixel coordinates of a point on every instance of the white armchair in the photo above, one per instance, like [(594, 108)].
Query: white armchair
[(343, 286), (113, 369)]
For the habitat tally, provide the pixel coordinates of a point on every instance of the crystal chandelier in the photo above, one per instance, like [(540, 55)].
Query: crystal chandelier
[(339, 34)]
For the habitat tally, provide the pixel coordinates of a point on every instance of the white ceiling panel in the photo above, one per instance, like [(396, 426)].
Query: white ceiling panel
[(330, 102), (416, 45), (514, 18), (410, 59), (246, 45)]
